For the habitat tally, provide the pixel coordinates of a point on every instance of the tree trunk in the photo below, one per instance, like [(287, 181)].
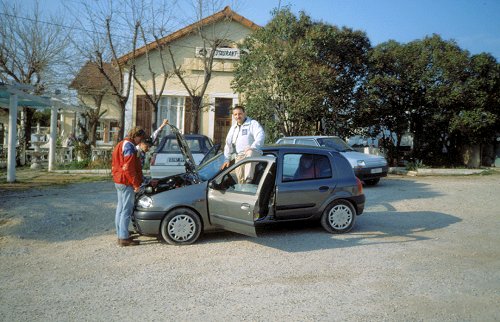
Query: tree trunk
[(92, 133), (195, 114), (121, 132)]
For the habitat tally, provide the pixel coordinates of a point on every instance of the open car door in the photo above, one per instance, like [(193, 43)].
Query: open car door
[(234, 205)]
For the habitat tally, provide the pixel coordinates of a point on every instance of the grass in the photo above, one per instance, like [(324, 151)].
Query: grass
[(27, 178)]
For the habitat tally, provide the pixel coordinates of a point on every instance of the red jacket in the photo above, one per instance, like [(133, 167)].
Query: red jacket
[(126, 165)]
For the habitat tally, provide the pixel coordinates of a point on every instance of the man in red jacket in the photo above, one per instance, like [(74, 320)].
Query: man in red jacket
[(127, 175)]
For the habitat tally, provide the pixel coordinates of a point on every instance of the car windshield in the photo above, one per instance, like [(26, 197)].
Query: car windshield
[(335, 143), (211, 167)]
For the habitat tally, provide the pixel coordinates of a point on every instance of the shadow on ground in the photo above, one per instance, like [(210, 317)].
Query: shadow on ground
[(372, 229)]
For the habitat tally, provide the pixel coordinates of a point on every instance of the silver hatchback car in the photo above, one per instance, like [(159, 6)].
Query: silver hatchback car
[(289, 183)]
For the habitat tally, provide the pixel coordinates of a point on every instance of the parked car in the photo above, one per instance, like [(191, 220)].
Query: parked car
[(168, 158), (367, 167), (289, 183)]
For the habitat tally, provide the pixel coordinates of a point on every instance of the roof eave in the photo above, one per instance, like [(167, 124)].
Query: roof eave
[(226, 13)]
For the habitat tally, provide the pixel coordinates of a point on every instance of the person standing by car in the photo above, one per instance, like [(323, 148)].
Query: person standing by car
[(147, 143), (244, 139), (127, 175)]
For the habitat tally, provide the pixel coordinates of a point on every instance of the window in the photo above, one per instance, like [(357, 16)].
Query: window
[(286, 141), (99, 133), (113, 131), (335, 143), (172, 108), (306, 142), (171, 145), (305, 167), (194, 145), (245, 178)]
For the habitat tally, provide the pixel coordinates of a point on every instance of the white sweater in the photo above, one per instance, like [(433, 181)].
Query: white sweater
[(249, 135)]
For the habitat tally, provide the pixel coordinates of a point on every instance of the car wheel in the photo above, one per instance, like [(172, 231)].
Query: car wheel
[(181, 226), (372, 182), (338, 217)]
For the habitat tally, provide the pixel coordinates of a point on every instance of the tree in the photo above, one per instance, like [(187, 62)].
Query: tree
[(111, 35), (32, 51), (301, 73), (390, 95), (92, 89), (478, 120), (343, 57), (439, 74), (447, 99), (212, 38)]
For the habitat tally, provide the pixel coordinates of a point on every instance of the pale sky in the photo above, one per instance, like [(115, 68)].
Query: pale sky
[(473, 24)]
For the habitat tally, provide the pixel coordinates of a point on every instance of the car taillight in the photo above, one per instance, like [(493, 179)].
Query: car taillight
[(360, 185), (153, 159)]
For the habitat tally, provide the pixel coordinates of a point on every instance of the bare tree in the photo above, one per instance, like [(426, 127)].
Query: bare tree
[(211, 36), (211, 40), (32, 51), (92, 89), (114, 29)]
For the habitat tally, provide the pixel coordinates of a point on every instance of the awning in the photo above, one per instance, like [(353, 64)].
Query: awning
[(14, 95)]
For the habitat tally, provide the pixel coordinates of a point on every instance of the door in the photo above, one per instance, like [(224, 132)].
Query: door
[(144, 114), (222, 119), (304, 185), (232, 205)]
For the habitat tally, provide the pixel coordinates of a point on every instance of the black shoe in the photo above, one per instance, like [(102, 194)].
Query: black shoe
[(128, 242)]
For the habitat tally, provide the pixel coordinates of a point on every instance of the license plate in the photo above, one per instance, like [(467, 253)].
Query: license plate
[(175, 159), (376, 170)]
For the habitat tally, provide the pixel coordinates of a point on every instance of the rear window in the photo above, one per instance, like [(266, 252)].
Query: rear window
[(305, 167), (335, 143), (196, 145), (285, 141)]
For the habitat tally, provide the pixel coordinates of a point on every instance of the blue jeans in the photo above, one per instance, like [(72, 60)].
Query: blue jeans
[(124, 209)]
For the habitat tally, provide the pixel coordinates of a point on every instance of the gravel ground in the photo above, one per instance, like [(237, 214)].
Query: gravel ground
[(425, 249)]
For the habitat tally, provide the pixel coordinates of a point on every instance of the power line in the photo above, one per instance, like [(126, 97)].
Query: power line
[(51, 23), (80, 29)]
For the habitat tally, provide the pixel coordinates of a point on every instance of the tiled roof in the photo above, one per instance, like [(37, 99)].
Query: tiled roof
[(226, 13), (91, 79)]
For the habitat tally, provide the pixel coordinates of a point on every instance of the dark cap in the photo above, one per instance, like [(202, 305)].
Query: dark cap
[(148, 141)]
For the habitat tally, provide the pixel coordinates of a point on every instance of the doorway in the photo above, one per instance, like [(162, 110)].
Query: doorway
[(222, 119)]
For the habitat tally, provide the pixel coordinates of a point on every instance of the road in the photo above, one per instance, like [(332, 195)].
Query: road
[(425, 249)]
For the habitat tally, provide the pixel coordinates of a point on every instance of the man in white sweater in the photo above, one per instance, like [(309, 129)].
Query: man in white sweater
[(243, 140)]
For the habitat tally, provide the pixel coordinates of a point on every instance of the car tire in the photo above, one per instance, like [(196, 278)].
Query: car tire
[(181, 226), (372, 182), (339, 217)]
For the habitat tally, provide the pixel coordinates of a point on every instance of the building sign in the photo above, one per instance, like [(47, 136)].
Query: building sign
[(220, 53)]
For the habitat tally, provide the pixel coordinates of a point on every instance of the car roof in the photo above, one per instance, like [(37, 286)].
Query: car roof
[(187, 136), (309, 137), (296, 148)]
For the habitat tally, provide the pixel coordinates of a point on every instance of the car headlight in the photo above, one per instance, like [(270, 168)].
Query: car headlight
[(145, 202), (361, 164)]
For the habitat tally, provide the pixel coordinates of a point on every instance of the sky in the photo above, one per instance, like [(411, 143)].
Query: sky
[(473, 24)]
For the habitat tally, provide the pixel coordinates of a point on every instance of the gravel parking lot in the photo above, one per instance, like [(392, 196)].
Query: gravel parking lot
[(426, 249)]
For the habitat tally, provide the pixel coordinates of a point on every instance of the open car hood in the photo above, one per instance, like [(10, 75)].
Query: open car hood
[(190, 165)]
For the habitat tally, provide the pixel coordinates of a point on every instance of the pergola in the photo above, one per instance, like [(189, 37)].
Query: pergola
[(12, 96)]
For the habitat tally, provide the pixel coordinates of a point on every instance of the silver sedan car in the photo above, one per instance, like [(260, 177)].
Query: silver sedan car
[(286, 183)]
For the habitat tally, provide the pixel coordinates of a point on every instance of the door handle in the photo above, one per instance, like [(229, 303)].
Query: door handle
[(323, 188), (245, 206)]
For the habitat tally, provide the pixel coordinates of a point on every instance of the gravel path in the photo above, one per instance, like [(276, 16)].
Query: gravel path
[(425, 249)]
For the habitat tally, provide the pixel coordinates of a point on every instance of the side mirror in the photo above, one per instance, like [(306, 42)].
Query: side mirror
[(213, 185)]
